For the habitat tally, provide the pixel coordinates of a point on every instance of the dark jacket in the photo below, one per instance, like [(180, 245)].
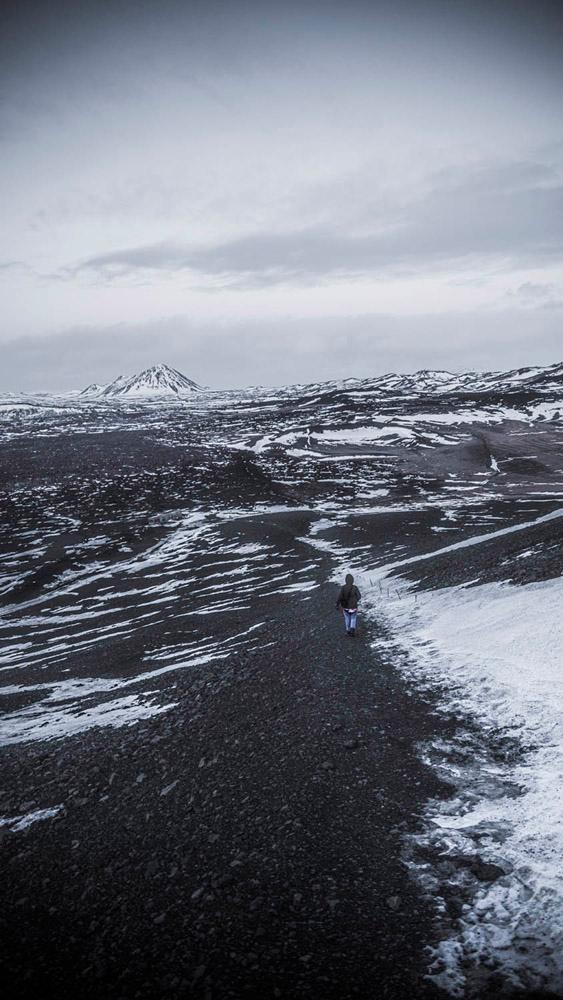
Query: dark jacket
[(348, 597)]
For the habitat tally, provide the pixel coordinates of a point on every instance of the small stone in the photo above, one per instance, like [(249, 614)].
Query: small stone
[(327, 765), (485, 871), (351, 745), (169, 788), (394, 902), (223, 881)]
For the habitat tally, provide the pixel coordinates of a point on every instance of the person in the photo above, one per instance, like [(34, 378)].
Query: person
[(348, 600)]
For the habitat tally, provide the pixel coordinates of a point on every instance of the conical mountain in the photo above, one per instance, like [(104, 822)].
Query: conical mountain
[(158, 380)]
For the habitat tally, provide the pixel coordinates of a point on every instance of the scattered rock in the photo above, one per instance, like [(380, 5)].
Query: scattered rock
[(485, 871)]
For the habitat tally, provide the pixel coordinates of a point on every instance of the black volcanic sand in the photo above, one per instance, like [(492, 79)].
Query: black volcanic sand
[(248, 842), (245, 844)]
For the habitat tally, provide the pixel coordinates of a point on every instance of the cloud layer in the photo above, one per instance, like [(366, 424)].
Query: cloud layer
[(253, 167), (510, 211)]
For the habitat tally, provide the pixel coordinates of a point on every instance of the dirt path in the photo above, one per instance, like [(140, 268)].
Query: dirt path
[(245, 844)]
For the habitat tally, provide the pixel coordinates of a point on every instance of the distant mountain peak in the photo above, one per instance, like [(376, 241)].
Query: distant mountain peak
[(91, 390), (159, 379)]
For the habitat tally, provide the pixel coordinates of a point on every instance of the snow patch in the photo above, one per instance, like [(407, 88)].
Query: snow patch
[(494, 652), (18, 823)]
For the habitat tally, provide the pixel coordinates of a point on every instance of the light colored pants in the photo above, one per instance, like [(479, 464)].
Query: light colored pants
[(350, 619)]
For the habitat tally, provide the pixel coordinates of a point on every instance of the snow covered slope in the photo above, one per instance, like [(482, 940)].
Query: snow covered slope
[(160, 379), (539, 381), (494, 650), (94, 389), (536, 379)]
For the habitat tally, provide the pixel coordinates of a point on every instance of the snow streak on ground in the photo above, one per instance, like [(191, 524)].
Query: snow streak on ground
[(200, 571), (18, 823), (496, 652)]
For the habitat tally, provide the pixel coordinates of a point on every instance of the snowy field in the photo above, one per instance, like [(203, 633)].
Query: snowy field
[(147, 537)]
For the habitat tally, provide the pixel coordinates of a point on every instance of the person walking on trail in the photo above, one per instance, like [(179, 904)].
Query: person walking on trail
[(348, 600)]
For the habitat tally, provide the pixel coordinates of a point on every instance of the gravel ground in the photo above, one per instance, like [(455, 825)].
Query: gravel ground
[(247, 843)]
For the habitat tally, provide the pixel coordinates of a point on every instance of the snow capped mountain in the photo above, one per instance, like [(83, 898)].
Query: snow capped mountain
[(158, 380), (537, 379), (91, 390), (162, 380)]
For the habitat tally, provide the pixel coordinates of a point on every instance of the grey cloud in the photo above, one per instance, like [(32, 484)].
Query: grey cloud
[(503, 177), (535, 291), (283, 352), (512, 211), (157, 256), (537, 295), (12, 265)]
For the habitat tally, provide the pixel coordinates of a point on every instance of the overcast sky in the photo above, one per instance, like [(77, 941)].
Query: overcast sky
[(267, 192)]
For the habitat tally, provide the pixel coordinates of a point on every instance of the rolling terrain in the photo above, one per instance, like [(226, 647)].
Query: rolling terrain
[(210, 790)]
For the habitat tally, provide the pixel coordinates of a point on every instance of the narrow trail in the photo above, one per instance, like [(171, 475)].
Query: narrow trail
[(247, 843)]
